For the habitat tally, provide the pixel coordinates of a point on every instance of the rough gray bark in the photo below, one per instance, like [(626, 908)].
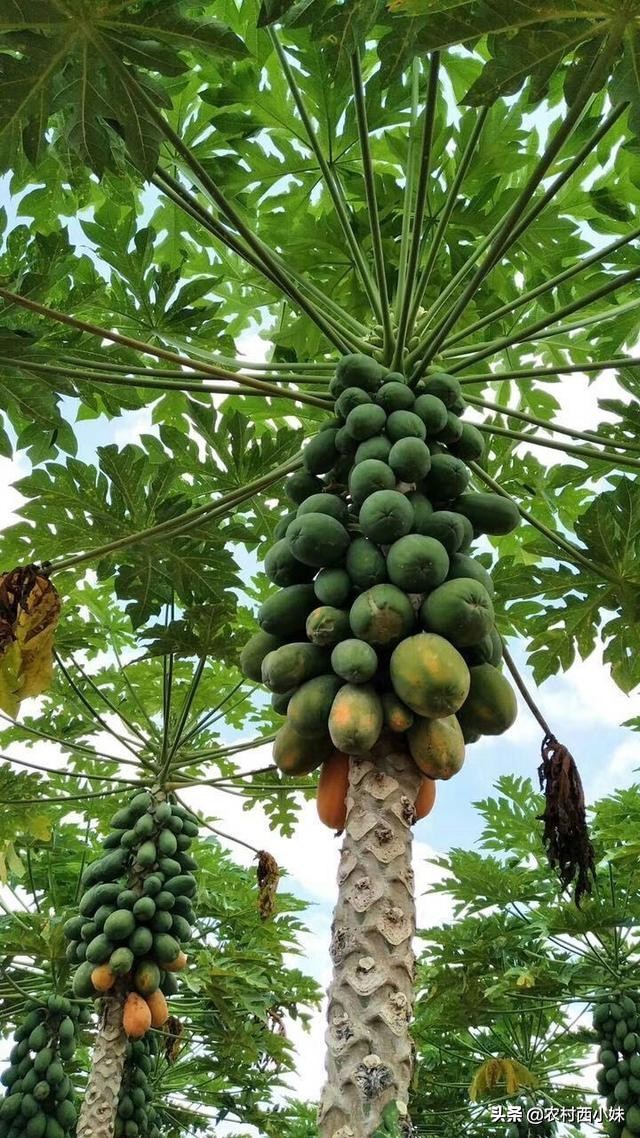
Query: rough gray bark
[(99, 1106), (369, 1052)]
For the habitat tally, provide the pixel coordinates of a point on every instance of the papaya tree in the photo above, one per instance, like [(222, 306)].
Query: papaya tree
[(413, 211)]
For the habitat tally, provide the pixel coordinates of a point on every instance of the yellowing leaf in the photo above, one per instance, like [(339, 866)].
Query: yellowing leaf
[(40, 827), (10, 680), (35, 631), (14, 862), (29, 613), (495, 1071)]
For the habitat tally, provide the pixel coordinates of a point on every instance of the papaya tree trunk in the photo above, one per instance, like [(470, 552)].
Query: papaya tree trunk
[(369, 1051), (100, 1103)]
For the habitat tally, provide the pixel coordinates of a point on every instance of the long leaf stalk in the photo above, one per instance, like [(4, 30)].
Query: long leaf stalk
[(137, 345), (274, 375), (599, 256), (415, 244), (213, 191), (185, 385), (65, 773), (509, 226), (94, 714), (552, 426), (516, 374), (575, 554), (88, 678), (445, 216), (66, 745), (550, 320), (360, 103), (153, 727), (184, 713), (409, 189), (480, 248), (210, 715), (331, 180), (174, 526), (345, 326), (587, 454)]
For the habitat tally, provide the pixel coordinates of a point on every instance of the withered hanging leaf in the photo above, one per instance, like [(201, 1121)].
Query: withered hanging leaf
[(268, 874), (566, 835), (495, 1071), (29, 613), (173, 1030)]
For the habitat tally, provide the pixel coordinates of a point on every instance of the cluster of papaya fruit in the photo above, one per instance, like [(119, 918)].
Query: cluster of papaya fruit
[(135, 913), (616, 1022), (136, 1115), (383, 618), (39, 1098)]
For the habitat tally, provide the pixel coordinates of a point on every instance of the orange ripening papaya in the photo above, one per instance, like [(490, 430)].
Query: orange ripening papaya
[(331, 797), (102, 978), (178, 964), (158, 1008), (426, 798), (136, 1017)]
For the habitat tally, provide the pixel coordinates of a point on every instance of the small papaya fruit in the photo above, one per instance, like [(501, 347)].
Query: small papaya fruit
[(103, 978), (331, 796), (136, 1017), (158, 1007), (176, 965)]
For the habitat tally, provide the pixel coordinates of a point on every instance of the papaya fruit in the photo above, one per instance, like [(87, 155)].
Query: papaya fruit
[(82, 986), (346, 446), (177, 964), (285, 613), (281, 527), (365, 421), (367, 477), (301, 485), (293, 664), (365, 564), (446, 480), (410, 459), (329, 504), (327, 625), (319, 454), (397, 716), (462, 566), (105, 870), (99, 949), (433, 413), (136, 1016), (443, 386), (448, 528), (253, 653), (120, 924), (351, 397), (416, 563), (280, 700), (394, 395), (354, 661), (355, 720), (103, 978), (404, 425), (422, 511), (183, 885), (470, 445), (146, 977), (460, 610), (281, 567), (490, 707), (487, 651), (489, 513), (385, 516), (425, 800), (437, 746), (121, 961), (357, 370), (333, 587), (452, 429), (331, 795), (382, 615), (141, 941), (317, 540), (294, 754), (309, 707), (157, 1005), (429, 675), (378, 447)]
